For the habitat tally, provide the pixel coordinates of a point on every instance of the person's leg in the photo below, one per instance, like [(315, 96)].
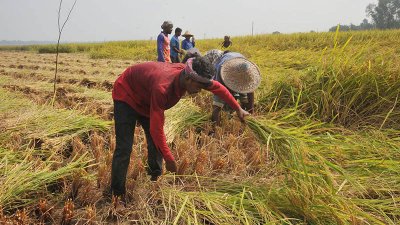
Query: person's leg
[(218, 104), (154, 156), (125, 120), (175, 59)]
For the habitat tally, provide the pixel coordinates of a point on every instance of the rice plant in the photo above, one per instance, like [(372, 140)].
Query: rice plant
[(23, 177), (179, 118)]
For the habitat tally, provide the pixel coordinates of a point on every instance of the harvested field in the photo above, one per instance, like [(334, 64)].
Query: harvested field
[(323, 146)]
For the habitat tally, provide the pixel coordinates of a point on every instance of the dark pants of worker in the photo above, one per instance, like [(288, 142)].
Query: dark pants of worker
[(175, 59), (125, 121)]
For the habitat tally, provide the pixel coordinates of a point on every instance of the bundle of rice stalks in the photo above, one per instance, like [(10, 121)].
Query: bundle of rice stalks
[(179, 118), (285, 129), (216, 201), (32, 121), (22, 177), (340, 173)]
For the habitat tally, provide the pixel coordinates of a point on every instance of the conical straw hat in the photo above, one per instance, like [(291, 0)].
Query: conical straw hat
[(188, 34), (240, 75)]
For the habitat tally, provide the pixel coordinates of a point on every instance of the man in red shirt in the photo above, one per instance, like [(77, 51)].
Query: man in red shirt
[(142, 93)]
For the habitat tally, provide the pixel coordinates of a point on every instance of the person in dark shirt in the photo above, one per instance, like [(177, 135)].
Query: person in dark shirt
[(175, 49), (142, 93), (227, 42)]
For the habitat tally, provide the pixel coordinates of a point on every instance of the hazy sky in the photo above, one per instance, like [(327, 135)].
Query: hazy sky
[(105, 20)]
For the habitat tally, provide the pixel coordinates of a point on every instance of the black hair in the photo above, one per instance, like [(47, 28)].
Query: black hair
[(203, 67), (178, 30)]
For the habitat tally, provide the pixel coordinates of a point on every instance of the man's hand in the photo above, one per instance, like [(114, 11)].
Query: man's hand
[(242, 113), (171, 166)]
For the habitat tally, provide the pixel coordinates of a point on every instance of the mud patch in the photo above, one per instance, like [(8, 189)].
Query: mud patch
[(107, 85), (73, 81), (87, 83), (25, 89)]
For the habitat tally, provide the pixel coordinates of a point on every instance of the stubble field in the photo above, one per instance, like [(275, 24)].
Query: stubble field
[(323, 146)]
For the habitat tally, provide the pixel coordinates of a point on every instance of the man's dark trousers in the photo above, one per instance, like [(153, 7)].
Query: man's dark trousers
[(125, 121), (175, 59)]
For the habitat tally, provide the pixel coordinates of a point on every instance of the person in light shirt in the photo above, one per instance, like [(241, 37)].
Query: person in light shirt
[(189, 41)]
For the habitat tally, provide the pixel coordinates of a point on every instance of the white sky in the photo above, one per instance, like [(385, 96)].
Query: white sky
[(106, 20)]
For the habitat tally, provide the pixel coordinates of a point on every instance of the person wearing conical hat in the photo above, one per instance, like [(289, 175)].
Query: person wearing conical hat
[(189, 41), (163, 48), (239, 75)]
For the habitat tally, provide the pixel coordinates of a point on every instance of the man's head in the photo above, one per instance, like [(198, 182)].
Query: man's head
[(226, 38), (198, 74), (178, 31), (167, 27)]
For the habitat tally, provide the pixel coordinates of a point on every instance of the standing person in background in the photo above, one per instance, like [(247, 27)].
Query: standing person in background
[(187, 43), (163, 49), (227, 42), (175, 49)]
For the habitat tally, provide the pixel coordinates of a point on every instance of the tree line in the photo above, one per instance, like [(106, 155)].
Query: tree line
[(384, 15)]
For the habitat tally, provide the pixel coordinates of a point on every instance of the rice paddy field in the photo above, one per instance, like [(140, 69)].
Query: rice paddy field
[(322, 147)]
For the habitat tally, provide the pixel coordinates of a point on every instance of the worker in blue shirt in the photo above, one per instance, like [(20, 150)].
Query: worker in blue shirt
[(187, 43), (175, 49)]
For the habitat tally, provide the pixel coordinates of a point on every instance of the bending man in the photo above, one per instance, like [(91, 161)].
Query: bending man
[(142, 93)]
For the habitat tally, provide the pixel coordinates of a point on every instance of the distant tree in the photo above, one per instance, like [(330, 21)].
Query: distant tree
[(364, 25), (386, 14), (341, 27), (276, 32)]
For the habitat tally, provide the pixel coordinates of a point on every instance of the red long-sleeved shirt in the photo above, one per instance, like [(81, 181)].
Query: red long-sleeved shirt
[(151, 88)]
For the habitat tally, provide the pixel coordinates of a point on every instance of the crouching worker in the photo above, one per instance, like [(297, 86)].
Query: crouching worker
[(142, 93), (239, 75)]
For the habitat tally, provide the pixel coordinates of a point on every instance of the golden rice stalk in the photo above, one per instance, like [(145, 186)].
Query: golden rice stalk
[(201, 162), (90, 215), (44, 211), (183, 115), (219, 164), (68, 212), (21, 217), (183, 165)]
